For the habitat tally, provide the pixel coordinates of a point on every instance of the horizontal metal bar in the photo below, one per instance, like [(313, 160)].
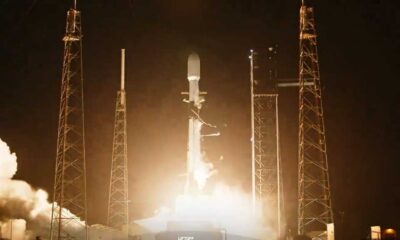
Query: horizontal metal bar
[(266, 95), (294, 84)]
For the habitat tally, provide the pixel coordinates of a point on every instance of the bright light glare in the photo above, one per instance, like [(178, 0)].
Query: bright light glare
[(225, 208)]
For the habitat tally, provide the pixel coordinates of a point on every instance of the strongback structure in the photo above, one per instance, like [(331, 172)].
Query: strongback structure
[(118, 194), (314, 196), (266, 177), (69, 207)]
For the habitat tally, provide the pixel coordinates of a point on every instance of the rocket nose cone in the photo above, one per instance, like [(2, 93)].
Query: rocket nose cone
[(193, 67)]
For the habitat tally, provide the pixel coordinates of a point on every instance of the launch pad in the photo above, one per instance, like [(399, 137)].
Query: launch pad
[(194, 230), (190, 231)]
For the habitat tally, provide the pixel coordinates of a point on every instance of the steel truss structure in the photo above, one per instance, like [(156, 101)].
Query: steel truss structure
[(266, 177), (69, 207), (314, 195)]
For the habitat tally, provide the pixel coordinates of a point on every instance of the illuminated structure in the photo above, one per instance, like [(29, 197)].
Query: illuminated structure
[(118, 194), (70, 170), (266, 170), (314, 196)]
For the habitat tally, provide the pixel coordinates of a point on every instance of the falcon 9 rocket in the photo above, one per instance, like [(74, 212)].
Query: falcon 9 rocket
[(195, 172)]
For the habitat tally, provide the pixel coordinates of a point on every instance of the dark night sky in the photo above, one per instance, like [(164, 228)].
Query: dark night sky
[(358, 47)]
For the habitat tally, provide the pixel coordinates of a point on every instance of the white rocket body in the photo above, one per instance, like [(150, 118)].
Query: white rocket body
[(194, 151), (194, 156)]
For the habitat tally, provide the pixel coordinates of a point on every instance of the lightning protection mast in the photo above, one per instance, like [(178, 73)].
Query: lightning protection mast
[(68, 218), (314, 195), (118, 195)]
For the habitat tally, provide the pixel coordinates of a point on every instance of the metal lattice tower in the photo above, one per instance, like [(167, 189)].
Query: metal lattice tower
[(70, 172), (118, 195), (314, 196), (267, 191)]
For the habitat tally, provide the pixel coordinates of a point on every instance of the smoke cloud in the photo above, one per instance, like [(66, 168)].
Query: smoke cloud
[(13, 229), (8, 162), (25, 212)]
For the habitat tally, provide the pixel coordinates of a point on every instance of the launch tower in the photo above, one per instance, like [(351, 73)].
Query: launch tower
[(70, 169), (314, 195)]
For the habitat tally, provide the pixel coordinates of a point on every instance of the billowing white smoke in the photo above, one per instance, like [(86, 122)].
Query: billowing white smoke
[(13, 229), (24, 209), (18, 200), (8, 162), (21, 206)]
